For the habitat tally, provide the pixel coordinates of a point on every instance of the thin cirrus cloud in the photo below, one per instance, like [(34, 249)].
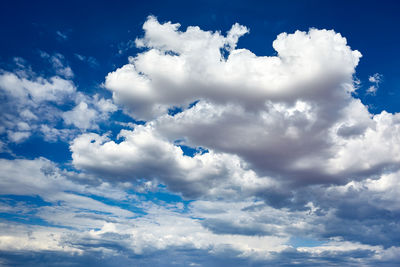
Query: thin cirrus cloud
[(286, 165)]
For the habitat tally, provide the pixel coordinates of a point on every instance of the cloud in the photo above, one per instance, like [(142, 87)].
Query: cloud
[(27, 97), (90, 60), (190, 67), (375, 79), (290, 117), (288, 150), (81, 116), (144, 155), (62, 36), (39, 90), (88, 112), (35, 104), (81, 220), (57, 61)]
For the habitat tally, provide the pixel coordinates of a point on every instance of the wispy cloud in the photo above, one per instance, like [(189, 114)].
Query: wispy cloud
[(375, 79)]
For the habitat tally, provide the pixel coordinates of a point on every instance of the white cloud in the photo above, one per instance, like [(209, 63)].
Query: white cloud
[(159, 228), (27, 99), (81, 116), (27, 238), (39, 90), (17, 137), (41, 177), (290, 117), (58, 62), (144, 155), (62, 35), (87, 117), (376, 79), (248, 227), (34, 104), (90, 60), (181, 67), (372, 90)]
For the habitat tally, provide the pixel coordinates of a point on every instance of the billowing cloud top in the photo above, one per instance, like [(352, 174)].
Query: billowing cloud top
[(178, 68)]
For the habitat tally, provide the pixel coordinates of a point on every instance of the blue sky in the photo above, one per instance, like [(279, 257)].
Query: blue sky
[(199, 133)]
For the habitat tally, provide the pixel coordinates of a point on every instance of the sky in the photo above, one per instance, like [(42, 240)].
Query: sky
[(199, 133)]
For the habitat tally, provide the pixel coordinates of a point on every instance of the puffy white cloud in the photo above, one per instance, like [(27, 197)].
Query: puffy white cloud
[(39, 90), (81, 116), (89, 111), (142, 154), (291, 117), (181, 67)]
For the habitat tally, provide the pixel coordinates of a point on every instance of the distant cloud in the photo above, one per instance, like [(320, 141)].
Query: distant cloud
[(27, 96), (375, 79), (58, 62), (90, 60), (62, 35), (86, 117), (78, 226), (32, 103), (123, 47)]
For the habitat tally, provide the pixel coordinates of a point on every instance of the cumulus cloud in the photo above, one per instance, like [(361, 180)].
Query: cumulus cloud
[(89, 112), (290, 117), (190, 67), (81, 116), (142, 154)]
